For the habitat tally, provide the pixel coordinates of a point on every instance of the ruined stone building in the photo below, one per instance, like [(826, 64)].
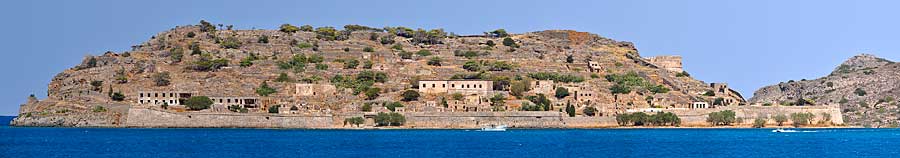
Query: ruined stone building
[(163, 97), (671, 63), (482, 87)]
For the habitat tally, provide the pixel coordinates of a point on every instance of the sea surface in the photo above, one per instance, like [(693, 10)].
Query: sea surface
[(248, 143)]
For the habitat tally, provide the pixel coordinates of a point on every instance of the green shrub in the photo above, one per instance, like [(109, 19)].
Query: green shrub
[(410, 95), (191, 35), (561, 92), (397, 47), (321, 66), (117, 96), (434, 61), (759, 123), (405, 55), (590, 111), (304, 45), (283, 77), (326, 33), (472, 65), (273, 109), (98, 108), (265, 90), (368, 49), (510, 42), (262, 39), (683, 74), (288, 28), (490, 43), (161, 79), (231, 43), (306, 28), (423, 53), (860, 92), (372, 93), (392, 105), (351, 64), (195, 48), (564, 78), (198, 103)]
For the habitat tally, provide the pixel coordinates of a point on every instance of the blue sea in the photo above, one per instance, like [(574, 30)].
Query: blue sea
[(248, 143)]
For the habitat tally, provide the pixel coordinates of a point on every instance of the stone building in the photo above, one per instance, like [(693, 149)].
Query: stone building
[(314, 90), (543, 87), (482, 87), (721, 88), (246, 102), (670, 62), (470, 103), (594, 67), (699, 105), (163, 97)]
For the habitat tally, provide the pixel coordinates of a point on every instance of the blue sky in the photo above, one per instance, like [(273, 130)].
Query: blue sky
[(748, 44)]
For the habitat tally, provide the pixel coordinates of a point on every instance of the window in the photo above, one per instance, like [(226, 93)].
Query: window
[(452, 85), (433, 85), (142, 95), (423, 86), (443, 85)]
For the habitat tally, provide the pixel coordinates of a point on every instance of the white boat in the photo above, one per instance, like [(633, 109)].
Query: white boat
[(494, 128), (782, 130)]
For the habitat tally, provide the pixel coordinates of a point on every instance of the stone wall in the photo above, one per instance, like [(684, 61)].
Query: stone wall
[(148, 118), (747, 114)]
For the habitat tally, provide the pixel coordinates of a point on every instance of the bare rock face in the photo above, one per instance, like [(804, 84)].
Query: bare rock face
[(866, 87)]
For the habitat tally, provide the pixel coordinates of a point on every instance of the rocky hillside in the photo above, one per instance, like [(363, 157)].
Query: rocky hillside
[(214, 60), (866, 87)]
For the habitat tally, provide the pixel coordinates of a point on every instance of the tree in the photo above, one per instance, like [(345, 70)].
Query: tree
[(726, 117), (518, 88), (354, 121), (759, 123), (389, 119), (590, 111), (780, 119), (195, 48), (490, 43), (198, 103), (410, 95), (570, 109), (265, 90), (288, 28), (434, 61), (561, 92), (800, 119), (206, 26), (498, 33), (709, 93)]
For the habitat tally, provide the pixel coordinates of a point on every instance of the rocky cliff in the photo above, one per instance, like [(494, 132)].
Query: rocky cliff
[(865, 86), (214, 60)]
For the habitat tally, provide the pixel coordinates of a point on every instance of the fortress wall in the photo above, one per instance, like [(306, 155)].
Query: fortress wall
[(147, 118), (747, 114)]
